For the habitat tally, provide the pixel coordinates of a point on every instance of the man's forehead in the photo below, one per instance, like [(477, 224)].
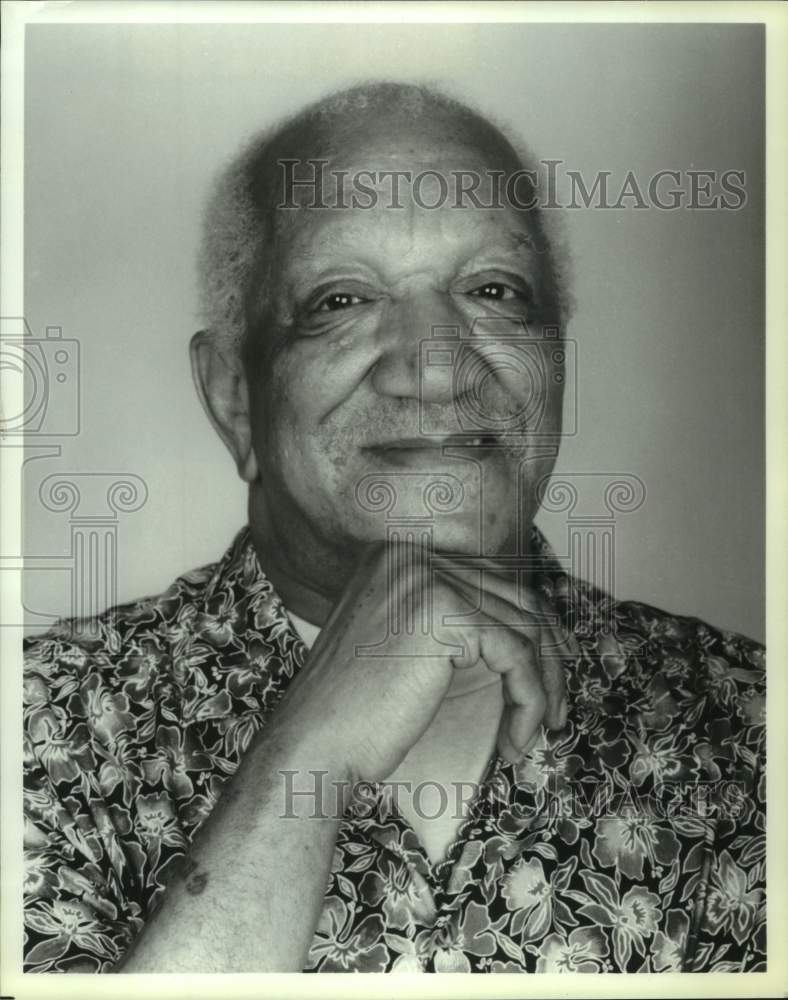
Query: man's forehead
[(483, 234), (326, 167), (355, 142)]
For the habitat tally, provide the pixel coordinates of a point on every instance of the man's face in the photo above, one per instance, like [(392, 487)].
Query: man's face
[(355, 419)]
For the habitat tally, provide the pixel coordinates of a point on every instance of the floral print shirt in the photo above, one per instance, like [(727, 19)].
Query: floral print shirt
[(632, 840)]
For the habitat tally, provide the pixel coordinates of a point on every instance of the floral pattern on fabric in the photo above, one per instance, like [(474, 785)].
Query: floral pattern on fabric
[(631, 841)]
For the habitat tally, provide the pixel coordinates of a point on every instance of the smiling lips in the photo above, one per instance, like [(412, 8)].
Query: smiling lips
[(434, 443)]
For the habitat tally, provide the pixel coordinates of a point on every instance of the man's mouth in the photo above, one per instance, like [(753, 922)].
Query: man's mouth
[(401, 447)]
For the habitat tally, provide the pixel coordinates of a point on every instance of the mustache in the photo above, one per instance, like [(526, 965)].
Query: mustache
[(384, 420)]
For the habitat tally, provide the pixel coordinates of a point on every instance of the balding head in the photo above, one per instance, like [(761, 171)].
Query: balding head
[(380, 126)]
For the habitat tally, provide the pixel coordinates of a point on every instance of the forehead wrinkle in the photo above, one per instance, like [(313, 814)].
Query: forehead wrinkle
[(304, 257)]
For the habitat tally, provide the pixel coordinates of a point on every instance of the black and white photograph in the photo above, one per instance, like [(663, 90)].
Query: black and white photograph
[(384, 440)]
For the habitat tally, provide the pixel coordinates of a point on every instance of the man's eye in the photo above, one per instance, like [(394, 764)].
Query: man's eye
[(338, 300), (495, 290)]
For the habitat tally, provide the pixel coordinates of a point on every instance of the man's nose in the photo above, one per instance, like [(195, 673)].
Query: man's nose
[(405, 335)]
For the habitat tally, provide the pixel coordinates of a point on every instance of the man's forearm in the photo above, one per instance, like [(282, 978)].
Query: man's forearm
[(249, 895)]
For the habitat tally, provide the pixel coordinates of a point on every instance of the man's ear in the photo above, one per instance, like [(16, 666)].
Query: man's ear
[(221, 385)]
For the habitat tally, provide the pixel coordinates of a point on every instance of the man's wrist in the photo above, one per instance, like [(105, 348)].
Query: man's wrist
[(312, 776)]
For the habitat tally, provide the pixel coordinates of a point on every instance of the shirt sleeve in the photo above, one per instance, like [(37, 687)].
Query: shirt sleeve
[(731, 912), (87, 871)]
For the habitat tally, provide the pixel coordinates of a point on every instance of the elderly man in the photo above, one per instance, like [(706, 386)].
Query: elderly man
[(387, 731)]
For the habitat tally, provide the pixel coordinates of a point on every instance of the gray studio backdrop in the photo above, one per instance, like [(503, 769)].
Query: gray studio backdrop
[(125, 126)]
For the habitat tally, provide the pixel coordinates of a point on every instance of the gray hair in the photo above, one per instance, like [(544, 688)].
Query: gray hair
[(237, 225)]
